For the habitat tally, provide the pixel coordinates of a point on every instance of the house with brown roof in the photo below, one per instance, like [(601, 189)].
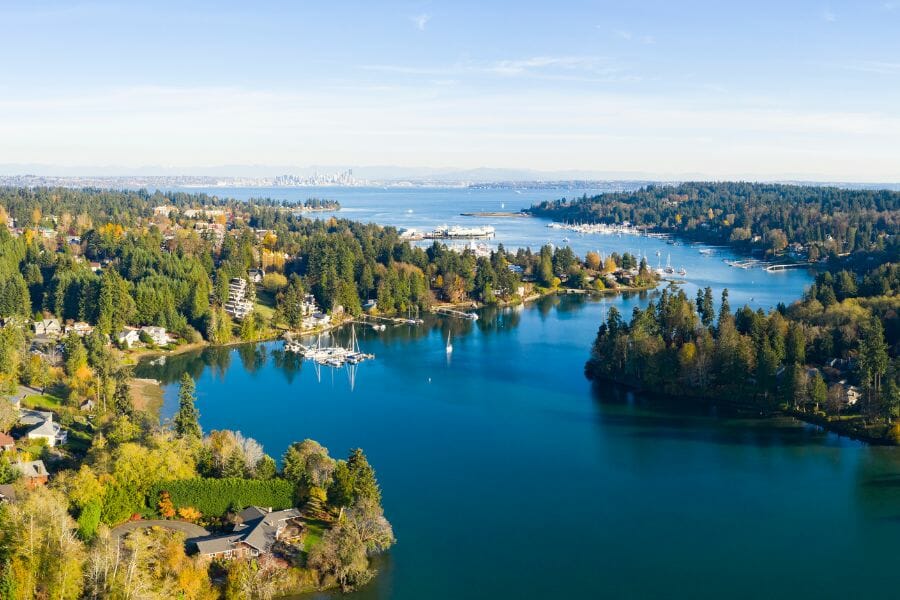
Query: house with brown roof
[(6, 442), (255, 533), (34, 473)]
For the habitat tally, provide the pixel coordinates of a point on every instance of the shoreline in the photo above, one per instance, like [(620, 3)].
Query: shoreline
[(752, 411), (136, 356)]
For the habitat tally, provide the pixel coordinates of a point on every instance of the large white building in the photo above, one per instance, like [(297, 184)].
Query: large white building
[(237, 305)]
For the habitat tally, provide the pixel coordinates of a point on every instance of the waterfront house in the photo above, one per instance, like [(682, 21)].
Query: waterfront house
[(255, 534), (128, 337), (6, 442), (47, 327), (237, 305), (50, 432), (318, 319), (851, 392), (34, 473), (158, 334)]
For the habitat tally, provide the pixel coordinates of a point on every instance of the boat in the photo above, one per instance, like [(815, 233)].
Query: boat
[(379, 326), (669, 269), (472, 316), (292, 346), (682, 271), (449, 344)]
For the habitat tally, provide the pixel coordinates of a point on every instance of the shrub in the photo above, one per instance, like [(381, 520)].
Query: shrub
[(214, 497), (88, 520)]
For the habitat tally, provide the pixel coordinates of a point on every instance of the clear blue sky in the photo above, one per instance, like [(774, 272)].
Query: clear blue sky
[(720, 89)]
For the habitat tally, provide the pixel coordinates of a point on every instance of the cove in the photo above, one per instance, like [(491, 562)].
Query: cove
[(507, 475)]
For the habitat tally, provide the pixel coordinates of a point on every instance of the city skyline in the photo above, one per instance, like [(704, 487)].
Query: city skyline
[(808, 91)]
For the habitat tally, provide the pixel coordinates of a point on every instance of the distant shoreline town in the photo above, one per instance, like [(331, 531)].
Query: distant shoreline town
[(346, 179), (338, 179)]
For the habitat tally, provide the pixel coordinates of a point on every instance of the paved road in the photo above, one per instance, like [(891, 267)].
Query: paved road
[(189, 529)]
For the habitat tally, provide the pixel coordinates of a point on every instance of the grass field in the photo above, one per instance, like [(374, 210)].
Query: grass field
[(313, 536)]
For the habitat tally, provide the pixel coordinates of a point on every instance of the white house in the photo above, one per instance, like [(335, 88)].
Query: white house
[(48, 327), (256, 275), (128, 337), (158, 334), (80, 328), (317, 319), (49, 431), (29, 417)]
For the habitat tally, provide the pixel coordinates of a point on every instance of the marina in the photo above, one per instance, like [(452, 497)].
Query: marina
[(450, 232), (598, 228), (330, 356)]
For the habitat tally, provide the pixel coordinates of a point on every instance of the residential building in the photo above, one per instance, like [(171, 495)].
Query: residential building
[(6, 442), (237, 305), (47, 327), (158, 334), (317, 319), (34, 473), (128, 337), (51, 432), (30, 418), (80, 328), (164, 211), (256, 275), (256, 532)]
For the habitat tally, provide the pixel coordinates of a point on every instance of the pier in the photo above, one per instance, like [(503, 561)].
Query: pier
[(785, 267), (471, 316)]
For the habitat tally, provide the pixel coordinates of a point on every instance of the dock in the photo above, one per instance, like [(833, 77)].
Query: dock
[(330, 356), (471, 316), (785, 267)]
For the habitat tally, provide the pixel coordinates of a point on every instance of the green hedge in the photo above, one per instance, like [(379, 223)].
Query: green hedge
[(215, 497)]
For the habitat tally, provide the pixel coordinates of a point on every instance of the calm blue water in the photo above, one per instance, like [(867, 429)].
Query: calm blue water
[(506, 475)]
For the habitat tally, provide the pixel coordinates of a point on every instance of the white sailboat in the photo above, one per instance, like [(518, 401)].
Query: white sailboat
[(449, 344)]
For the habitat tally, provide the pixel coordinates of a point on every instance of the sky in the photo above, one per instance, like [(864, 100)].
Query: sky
[(759, 90)]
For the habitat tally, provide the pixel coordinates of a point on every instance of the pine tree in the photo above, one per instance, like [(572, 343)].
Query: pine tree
[(873, 357), (365, 485), (187, 419), (121, 398), (725, 308)]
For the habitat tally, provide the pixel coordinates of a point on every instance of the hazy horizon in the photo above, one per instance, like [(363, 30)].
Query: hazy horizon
[(772, 91)]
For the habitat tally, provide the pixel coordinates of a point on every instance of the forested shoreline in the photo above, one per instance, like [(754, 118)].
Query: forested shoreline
[(830, 357), (768, 218)]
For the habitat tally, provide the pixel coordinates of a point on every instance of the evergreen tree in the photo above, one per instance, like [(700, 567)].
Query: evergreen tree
[(725, 307), (121, 398), (873, 357), (365, 485), (187, 419)]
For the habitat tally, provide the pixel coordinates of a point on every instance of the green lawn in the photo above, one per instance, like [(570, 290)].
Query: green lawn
[(314, 531), (43, 402)]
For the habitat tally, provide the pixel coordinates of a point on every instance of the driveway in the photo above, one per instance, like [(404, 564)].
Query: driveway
[(189, 529)]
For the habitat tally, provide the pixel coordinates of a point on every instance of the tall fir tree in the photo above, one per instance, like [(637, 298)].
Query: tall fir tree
[(187, 419)]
